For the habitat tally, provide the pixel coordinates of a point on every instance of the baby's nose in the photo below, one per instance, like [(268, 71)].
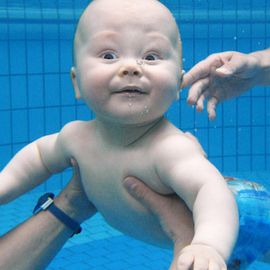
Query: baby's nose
[(130, 69)]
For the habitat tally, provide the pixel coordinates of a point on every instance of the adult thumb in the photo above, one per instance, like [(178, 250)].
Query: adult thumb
[(235, 66)]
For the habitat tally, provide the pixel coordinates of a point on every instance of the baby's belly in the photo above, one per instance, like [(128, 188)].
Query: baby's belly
[(123, 212)]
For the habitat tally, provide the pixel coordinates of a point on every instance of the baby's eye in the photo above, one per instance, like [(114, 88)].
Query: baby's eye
[(152, 57), (109, 56)]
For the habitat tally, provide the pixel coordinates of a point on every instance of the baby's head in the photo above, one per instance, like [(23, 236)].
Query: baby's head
[(127, 60)]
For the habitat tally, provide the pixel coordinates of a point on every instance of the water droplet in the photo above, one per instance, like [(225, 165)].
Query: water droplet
[(146, 109), (140, 62), (235, 38), (130, 101)]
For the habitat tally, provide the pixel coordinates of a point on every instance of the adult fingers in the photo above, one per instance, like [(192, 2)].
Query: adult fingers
[(211, 107), (197, 89), (200, 101), (75, 167), (199, 71), (143, 193), (202, 69), (238, 63)]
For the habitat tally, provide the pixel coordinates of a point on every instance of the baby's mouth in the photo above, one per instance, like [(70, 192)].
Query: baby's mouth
[(130, 90)]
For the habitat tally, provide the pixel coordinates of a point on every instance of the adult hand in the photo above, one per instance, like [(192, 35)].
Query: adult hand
[(171, 211), (73, 200), (43, 235), (219, 77)]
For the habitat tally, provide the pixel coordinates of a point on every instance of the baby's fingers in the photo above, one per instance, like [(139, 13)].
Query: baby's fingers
[(215, 266), (185, 261), (201, 263), (188, 262)]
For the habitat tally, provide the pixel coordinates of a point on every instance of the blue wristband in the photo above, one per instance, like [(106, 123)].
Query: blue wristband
[(46, 202)]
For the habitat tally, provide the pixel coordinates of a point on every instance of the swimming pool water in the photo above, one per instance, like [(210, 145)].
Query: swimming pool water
[(37, 99), (99, 247)]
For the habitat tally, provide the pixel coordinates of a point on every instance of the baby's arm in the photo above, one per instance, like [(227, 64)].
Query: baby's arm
[(183, 167), (32, 165)]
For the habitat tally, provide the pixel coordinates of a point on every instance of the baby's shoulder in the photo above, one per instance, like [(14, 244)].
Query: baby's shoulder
[(175, 140), (76, 127), (178, 144), (76, 130)]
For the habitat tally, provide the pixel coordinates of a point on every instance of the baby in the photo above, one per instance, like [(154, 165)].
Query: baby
[(127, 69)]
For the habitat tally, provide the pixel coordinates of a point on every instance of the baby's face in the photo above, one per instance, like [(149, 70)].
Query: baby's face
[(128, 60)]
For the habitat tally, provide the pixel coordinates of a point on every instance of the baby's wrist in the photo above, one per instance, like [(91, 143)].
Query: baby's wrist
[(225, 255)]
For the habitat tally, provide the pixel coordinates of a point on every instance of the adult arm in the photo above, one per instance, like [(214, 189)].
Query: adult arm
[(226, 75), (34, 243)]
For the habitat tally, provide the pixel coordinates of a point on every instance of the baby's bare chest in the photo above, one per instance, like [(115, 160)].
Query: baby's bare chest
[(102, 177), (103, 172)]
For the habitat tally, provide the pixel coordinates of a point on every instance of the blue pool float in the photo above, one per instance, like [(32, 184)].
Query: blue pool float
[(253, 242)]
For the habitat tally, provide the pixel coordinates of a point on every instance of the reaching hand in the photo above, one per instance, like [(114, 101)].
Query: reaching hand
[(200, 257), (219, 77)]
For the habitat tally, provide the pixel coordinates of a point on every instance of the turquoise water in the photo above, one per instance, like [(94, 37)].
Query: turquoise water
[(37, 99)]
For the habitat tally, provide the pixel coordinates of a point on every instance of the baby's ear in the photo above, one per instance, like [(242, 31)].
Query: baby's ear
[(73, 76), (180, 85)]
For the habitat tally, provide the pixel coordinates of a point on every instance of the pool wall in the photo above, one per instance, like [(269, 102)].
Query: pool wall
[(36, 96)]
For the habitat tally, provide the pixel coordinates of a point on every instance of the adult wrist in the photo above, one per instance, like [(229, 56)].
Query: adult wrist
[(67, 205), (263, 57), (46, 203)]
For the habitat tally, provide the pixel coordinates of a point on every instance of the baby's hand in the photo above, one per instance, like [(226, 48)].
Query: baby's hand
[(200, 257)]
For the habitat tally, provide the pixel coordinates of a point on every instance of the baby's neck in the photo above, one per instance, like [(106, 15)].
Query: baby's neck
[(124, 135)]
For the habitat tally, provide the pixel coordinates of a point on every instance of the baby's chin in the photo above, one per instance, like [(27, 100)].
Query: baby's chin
[(132, 119)]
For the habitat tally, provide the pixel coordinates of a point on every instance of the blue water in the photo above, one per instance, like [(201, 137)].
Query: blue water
[(37, 99)]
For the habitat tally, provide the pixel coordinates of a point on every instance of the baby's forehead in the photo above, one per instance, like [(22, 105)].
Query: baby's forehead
[(150, 15)]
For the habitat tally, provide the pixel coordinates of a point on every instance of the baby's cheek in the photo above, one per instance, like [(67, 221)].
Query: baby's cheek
[(169, 82)]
